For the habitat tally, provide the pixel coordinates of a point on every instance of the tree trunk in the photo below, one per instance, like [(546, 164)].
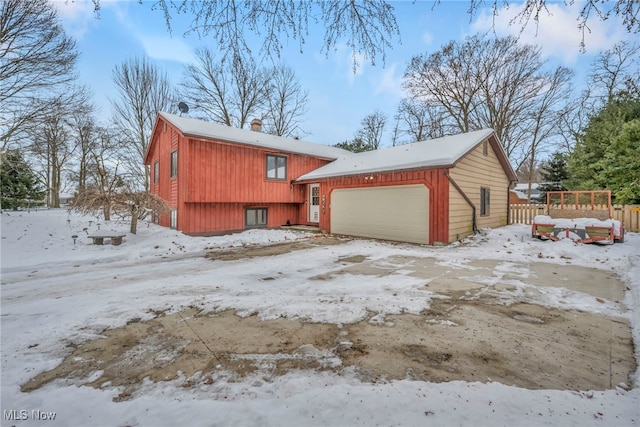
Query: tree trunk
[(106, 211), (134, 219)]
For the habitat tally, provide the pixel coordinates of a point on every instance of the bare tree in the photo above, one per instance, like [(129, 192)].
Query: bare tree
[(546, 117), (131, 204), (36, 62), (53, 146), (419, 121), (105, 168), (367, 27), (286, 103), (108, 188), (83, 131), (227, 92), (612, 72), (449, 79), (534, 10), (487, 83), (143, 91), (372, 129)]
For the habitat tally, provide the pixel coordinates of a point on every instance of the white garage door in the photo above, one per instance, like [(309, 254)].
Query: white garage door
[(399, 212)]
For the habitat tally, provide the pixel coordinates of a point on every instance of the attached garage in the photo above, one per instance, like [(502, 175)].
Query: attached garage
[(429, 192), (397, 212)]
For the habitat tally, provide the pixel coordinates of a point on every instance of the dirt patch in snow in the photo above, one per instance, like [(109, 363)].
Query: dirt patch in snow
[(275, 249), (481, 326)]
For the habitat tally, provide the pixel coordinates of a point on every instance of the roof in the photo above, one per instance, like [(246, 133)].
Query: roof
[(208, 130), (519, 194), (435, 153), (524, 186)]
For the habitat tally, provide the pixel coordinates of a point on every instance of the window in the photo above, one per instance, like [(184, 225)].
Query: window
[(156, 172), (485, 200), (174, 218), (255, 217), (174, 164), (276, 167)]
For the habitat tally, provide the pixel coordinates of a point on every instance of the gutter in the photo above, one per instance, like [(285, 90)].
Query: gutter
[(467, 199)]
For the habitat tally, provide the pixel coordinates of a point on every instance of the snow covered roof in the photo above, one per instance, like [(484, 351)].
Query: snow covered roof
[(208, 130), (524, 186), (440, 152), (519, 194)]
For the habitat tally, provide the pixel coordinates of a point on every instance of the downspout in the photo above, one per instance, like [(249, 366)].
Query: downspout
[(467, 199)]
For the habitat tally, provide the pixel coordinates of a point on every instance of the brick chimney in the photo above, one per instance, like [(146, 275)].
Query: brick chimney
[(256, 125)]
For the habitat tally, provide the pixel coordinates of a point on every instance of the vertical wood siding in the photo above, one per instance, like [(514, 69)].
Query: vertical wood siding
[(217, 181), (434, 179), (226, 173), (471, 173), (214, 218)]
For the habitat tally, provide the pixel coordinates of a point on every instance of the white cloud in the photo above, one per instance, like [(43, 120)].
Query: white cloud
[(389, 83), (427, 38), (556, 32), (164, 47), (75, 16)]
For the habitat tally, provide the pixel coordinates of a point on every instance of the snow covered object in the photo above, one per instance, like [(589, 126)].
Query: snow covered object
[(583, 216)]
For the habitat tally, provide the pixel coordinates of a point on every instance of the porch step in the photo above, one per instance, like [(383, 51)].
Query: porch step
[(305, 228)]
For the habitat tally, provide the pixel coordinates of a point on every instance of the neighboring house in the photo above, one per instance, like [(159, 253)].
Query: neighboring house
[(220, 179), (517, 197), (64, 198), (532, 195)]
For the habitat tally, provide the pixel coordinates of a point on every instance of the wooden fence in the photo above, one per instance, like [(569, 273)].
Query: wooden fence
[(629, 215)]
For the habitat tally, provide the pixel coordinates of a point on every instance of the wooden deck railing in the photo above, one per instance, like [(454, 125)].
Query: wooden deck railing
[(629, 215)]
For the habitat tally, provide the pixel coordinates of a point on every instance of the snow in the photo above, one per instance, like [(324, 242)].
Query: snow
[(579, 223), (440, 152), (55, 292), (209, 130)]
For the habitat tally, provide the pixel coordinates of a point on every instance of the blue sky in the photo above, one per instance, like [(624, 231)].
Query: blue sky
[(338, 98)]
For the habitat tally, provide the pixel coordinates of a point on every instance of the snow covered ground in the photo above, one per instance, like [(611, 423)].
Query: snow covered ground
[(55, 292)]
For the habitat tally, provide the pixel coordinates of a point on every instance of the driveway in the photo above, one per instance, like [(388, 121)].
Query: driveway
[(487, 320)]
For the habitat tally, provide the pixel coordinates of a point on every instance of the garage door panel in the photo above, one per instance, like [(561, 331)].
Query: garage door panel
[(398, 213)]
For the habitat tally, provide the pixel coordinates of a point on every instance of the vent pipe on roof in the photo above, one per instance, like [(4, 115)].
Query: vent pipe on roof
[(256, 125)]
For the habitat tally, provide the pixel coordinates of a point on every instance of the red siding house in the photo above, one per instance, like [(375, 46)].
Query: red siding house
[(220, 179)]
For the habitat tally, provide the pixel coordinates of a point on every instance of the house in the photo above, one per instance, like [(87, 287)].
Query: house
[(533, 195), (517, 197), (220, 179)]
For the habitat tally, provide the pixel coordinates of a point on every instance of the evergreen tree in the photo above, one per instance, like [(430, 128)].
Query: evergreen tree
[(553, 174), (356, 145), (608, 154), (20, 185)]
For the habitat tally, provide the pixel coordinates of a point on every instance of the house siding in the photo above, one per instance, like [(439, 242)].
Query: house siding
[(472, 172), (219, 218), (224, 173), (434, 179), (217, 181)]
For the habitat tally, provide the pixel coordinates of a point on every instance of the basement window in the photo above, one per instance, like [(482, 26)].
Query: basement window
[(276, 167), (255, 217), (485, 199)]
